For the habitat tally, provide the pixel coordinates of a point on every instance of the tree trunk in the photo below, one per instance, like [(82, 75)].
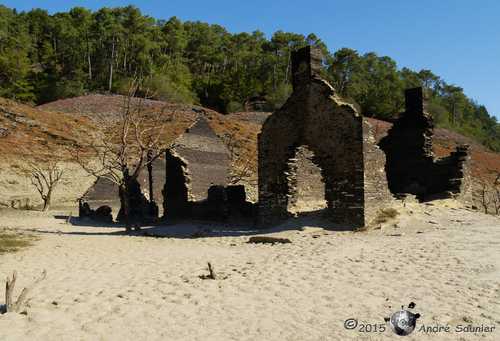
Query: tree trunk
[(125, 58), (88, 56), (150, 178), (274, 79), (110, 80), (125, 192), (168, 64), (47, 199)]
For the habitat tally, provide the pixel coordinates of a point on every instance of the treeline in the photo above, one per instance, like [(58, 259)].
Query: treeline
[(45, 57)]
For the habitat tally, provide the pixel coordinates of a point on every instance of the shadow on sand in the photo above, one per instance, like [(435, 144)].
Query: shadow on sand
[(205, 229)]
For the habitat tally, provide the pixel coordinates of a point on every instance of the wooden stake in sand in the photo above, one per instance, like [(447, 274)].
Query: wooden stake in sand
[(15, 307), (213, 274)]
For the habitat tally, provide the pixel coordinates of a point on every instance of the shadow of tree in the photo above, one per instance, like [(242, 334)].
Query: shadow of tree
[(188, 229)]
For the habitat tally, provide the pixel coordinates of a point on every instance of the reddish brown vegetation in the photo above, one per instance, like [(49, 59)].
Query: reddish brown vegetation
[(28, 130), (34, 129)]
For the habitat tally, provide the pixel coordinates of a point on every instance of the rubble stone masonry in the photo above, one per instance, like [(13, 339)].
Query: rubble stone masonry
[(411, 164), (351, 164)]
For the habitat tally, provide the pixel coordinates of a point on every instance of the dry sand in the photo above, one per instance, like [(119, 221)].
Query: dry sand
[(102, 284)]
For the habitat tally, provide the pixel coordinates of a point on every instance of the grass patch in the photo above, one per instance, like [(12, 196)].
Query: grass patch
[(27, 207), (14, 240), (385, 215), (360, 229)]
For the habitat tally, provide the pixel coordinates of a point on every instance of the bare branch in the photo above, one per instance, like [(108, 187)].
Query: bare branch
[(123, 147)]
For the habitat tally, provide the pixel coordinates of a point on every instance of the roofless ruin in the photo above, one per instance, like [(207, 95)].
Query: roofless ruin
[(316, 152), (351, 165), (341, 145)]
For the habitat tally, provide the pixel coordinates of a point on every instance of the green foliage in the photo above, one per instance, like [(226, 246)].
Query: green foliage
[(48, 57), (161, 89), (440, 115), (235, 106), (283, 91)]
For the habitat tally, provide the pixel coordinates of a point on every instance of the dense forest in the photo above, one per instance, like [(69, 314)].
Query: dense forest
[(45, 57)]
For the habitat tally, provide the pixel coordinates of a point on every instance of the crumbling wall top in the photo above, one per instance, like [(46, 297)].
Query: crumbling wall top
[(307, 63)]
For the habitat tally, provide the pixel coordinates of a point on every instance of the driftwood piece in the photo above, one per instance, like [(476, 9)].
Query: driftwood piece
[(267, 239), (9, 288), (150, 234), (213, 274)]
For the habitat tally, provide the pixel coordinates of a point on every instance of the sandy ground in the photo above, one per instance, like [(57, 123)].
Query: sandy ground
[(102, 284)]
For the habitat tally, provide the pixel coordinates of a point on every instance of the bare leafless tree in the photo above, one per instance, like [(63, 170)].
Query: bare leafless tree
[(44, 173), (482, 193), (239, 173), (130, 142), (487, 192), (496, 194)]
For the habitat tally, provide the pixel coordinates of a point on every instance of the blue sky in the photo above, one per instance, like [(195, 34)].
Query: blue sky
[(458, 40)]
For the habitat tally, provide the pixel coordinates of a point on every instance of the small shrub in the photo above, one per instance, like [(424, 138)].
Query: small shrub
[(360, 229), (385, 215), (235, 106), (159, 88), (27, 207)]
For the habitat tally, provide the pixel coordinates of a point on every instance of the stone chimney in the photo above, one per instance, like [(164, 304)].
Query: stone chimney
[(307, 63), (416, 101)]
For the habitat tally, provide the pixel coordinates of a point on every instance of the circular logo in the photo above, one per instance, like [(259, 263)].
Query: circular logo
[(403, 322)]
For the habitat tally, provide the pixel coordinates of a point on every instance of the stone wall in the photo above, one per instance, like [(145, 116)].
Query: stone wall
[(152, 182), (185, 185), (104, 192), (305, 183), (196, 161), (460, 178), (408, 147), (377, 195), (411, 164), (315, 117), (176, 187)]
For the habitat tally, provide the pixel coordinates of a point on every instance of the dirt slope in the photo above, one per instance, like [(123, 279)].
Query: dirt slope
[(24, 129)]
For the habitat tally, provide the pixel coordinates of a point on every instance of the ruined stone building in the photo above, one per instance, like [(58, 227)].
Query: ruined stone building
[(411, 164), (319, 146), (102, 193), (315, 153), (198, 161), (146, 195), (195, 169)]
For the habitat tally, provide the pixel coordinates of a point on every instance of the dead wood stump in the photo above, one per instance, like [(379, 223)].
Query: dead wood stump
[(69, 217), (213, 274), (9, 288)]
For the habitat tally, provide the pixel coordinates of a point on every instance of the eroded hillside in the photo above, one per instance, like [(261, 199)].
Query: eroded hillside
[(33, 131)]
